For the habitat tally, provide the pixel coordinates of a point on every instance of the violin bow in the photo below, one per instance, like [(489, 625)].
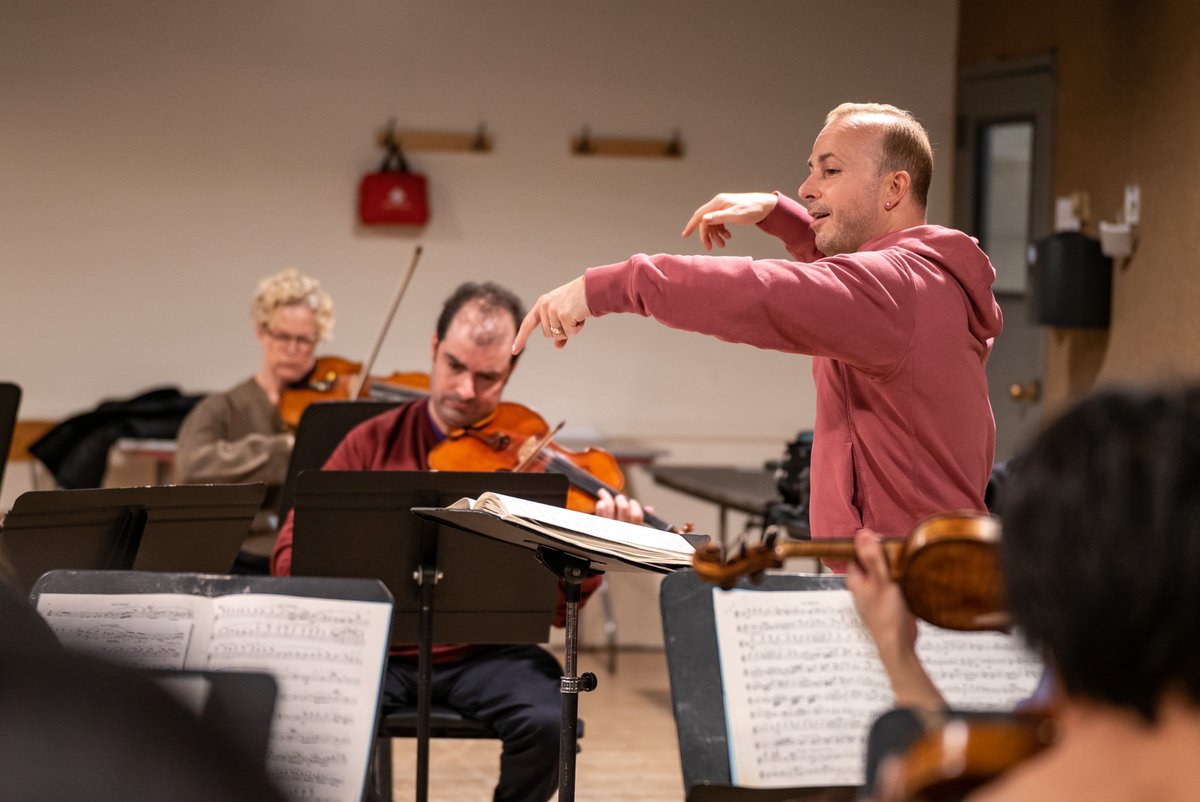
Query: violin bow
[(356, 388)]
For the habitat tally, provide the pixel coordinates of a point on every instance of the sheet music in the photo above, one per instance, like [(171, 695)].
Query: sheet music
[(803, 682), (646, 538), (152, 630), (325, 654)]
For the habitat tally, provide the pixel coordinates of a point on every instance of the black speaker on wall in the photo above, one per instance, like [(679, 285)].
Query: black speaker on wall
[(1071, 282)]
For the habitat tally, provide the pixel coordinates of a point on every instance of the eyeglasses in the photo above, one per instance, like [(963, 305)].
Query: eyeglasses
[(284, 339)]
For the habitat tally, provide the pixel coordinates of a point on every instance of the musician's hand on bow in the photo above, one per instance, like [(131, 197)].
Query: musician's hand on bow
[(742, 208), (559, 313), (620, 507)]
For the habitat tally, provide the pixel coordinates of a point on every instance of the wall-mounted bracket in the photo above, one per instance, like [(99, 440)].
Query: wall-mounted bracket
[(587, 145), (480, 141)]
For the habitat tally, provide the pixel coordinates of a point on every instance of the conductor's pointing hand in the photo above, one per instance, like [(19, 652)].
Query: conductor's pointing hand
[(560, 314)]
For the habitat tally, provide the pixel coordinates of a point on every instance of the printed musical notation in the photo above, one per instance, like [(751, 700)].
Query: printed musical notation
[(325, 654), (147, 643), (803, 682)]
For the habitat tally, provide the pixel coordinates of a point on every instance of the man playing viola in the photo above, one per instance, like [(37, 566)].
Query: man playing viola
[(513, 688)]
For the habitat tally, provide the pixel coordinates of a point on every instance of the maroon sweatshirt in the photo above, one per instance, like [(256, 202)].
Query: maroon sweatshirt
[(899, 332)]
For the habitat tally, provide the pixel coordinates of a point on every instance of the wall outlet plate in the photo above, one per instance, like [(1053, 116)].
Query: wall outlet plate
[(1133, 204)]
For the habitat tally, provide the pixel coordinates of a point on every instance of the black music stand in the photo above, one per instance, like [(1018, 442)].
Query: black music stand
[(321, 429), (572, 565), (358, 524), (193, 528), (697, 695)]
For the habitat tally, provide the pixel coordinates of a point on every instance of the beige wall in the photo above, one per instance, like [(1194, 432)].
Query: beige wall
[(1127, 113), (159, 158)]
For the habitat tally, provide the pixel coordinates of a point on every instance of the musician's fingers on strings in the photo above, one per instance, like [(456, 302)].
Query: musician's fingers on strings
[(606, 506)]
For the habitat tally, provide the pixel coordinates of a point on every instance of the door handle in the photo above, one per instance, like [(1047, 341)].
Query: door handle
[(1029, 391)]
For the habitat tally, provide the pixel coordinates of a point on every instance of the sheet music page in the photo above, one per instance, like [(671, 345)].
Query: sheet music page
[(326, 656), (803, 682), (642, 539), (143, 630)]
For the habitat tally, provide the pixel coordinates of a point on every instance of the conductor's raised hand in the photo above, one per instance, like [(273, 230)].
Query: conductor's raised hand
[(560, 314), (739, 208)]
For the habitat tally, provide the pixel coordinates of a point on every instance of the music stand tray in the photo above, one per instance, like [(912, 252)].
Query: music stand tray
[(183, 528)]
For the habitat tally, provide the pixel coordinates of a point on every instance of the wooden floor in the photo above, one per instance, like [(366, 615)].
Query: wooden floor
[(630, 753)]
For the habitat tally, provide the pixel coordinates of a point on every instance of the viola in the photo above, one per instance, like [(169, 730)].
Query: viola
[(947, 568), (515, 438), (960, 753), (334, 378)]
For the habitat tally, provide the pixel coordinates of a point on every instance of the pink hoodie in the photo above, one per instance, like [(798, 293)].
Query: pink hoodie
[(899, 333)]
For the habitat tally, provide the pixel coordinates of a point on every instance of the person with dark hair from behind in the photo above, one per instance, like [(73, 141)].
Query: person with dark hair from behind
[(76, 728), (1101, 561), (515, 689)]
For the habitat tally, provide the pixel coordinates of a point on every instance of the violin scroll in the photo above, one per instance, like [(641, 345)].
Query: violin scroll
[(948, 568), (709, 564)]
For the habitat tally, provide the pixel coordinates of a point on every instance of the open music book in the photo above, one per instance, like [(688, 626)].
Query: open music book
[(802, 682), (326, 655), (640, 545)]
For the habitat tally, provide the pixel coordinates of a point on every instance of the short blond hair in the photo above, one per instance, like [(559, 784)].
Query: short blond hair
[(905, 142), (288, 288)]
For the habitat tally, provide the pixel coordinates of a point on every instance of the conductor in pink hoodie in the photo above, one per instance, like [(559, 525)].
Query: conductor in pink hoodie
[(898, 315)]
